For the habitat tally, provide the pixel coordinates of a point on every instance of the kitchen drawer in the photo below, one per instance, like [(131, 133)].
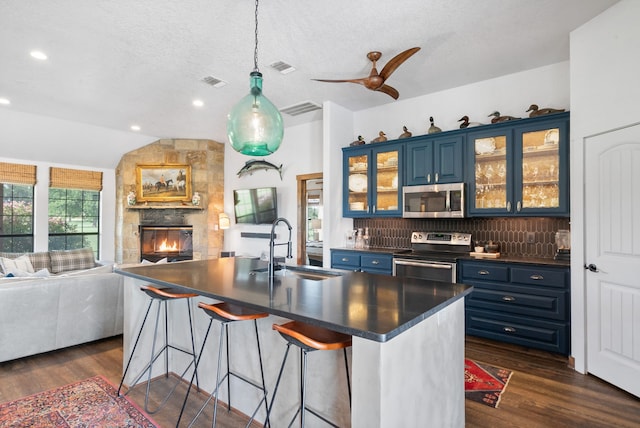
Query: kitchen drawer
[(485, 271), (549, 336), (345, 260), (376, 263), (540, 276), (528, 301)]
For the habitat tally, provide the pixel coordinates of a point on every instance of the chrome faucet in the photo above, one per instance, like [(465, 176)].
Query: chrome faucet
[(272, 246)]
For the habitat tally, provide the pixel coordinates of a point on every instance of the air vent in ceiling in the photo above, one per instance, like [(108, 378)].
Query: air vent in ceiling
[(214, 81), (301, 108), (283, 67)]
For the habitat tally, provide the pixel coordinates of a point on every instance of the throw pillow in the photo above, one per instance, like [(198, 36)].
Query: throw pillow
[(22, 263), (64, 260)]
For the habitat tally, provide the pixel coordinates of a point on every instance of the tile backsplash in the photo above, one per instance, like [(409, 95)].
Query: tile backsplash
[(510, 233)]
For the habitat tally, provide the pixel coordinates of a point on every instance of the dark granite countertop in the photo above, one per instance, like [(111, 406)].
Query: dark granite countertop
[(504, 258), (375, 307)]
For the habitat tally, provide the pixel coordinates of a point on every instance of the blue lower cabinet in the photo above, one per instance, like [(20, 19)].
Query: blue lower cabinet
[(363, 261), (524, 304)]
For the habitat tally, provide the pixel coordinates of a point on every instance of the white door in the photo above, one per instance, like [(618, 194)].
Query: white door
[(612, 256)]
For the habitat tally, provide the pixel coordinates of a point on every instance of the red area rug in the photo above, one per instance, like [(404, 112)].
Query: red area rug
[(88, 403), (484, 383)]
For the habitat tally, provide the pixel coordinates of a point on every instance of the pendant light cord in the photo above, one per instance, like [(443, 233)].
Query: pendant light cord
[(255, 52)]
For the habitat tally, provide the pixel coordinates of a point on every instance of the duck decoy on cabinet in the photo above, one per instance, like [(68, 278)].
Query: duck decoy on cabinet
[(433, 129), (535, 111), (360, 141), (381, 137), (406, 133), (466, 124), (498, 118)]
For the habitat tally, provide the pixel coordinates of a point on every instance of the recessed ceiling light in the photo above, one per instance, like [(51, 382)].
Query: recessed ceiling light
[(198, 103), (135, 127), (39, 55), (5, 101)]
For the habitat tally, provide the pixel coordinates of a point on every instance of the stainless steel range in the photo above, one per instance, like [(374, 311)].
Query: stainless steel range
[(432, 256)]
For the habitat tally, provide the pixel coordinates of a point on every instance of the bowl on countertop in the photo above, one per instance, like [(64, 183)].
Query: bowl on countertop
[(492, 247)]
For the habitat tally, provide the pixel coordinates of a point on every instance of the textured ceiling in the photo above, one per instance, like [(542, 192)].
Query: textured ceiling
[(113, 63)]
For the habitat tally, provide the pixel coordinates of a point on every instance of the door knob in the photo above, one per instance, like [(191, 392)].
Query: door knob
[(591, 267)]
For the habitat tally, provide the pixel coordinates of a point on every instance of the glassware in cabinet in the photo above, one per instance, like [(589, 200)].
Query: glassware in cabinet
[(358, 182)]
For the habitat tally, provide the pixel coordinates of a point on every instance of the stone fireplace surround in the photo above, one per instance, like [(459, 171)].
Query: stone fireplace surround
[(206, 158)]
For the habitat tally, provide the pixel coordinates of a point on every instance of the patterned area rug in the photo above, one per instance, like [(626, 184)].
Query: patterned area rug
[(484, 383), (88, 403)]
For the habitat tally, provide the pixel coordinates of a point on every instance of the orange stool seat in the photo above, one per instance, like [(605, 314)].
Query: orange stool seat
[(162, 295), (310, 338), (227, 313)]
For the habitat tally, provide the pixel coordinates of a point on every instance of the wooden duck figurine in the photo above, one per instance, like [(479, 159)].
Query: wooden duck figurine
[(535, 111), (433, 129), (406, 133), (497, 118), (360, 141), (466, 124), (381, 137)]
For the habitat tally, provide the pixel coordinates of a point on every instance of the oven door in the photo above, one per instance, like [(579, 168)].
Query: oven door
[(423, 269)]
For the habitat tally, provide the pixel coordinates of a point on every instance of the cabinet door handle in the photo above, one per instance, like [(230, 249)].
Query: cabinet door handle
[(345, 259), (483, 272), (519, 206), (429, 178), (437, 177), (375, 262), (509, 329), (508, 206), (508, 298), (536, 277)]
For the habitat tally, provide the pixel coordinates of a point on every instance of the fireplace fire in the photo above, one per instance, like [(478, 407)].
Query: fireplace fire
[(171, 242)]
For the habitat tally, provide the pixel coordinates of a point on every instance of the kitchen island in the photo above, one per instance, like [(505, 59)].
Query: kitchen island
[(408, 338)]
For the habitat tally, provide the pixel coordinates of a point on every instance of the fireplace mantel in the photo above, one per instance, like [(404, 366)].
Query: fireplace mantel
[(165, 207)]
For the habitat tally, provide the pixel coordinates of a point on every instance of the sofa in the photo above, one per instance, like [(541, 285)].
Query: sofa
[(55, 299)]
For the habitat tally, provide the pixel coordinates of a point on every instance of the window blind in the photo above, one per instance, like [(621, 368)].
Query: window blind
[(64, 178), (15, 173)]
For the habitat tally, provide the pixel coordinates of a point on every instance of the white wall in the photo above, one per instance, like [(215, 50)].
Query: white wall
[(604, 94), (299, 153), (41, 195), (510, 95), (47, 139)]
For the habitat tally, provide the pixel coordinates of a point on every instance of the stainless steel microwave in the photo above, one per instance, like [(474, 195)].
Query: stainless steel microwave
[(433, 201)]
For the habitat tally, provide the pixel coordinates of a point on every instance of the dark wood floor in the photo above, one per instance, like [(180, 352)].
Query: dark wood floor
[(542, 392)]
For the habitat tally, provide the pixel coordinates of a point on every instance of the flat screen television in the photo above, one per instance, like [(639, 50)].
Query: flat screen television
[(255, 206)]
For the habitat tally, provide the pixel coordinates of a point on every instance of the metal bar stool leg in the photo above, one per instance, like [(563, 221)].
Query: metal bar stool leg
[(161, 296), (135, 345), (226, 314)]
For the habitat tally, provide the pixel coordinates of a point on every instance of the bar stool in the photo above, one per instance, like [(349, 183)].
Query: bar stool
[(227, 313), (310, 338), (161, 296)]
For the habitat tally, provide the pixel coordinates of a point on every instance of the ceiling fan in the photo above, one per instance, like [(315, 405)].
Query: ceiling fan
[(376, 81)]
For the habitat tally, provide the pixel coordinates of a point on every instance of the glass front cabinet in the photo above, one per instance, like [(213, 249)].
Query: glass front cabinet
[(372, 185), (520, 169)]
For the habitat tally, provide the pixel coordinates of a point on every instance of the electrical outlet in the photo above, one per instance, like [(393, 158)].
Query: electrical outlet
[(531, 237)]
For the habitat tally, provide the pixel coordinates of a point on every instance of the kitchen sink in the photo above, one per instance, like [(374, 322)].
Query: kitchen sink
[(302, 272)]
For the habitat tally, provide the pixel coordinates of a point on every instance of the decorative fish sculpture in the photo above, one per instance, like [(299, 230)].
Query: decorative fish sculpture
[(254, 165)]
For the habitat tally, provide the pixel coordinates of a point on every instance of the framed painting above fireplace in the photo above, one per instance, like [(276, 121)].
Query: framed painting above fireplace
[(163, 183)]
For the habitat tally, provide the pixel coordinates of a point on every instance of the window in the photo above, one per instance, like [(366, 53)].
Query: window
[(74, 209), (16, 227), (16, 208)]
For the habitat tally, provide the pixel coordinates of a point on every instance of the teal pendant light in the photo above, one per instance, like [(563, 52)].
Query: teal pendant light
[(254, 125)]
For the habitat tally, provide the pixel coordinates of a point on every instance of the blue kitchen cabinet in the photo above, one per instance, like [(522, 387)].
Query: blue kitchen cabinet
[(362, 261), (372, 180), (519, 168), (524, 304), (435, 160)]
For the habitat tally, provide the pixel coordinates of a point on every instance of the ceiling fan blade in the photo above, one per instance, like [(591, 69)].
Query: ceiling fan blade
[(395, 62), (392, 92), (358, 81)]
